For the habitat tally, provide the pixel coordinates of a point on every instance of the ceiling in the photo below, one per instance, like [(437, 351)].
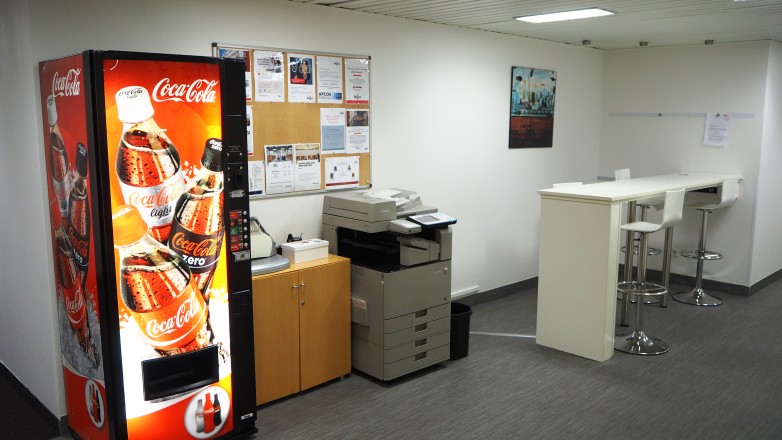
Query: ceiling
[(657, 22)]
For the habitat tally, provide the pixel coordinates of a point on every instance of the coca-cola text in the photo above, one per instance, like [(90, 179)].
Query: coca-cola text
[(68, 85), (200, 90)]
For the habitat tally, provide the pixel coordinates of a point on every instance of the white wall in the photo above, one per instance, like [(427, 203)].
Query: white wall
[(689, 80), (440, 104), (767, 247), (30, 345)]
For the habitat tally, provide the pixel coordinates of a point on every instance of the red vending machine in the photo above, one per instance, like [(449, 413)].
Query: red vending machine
[(146, 156)]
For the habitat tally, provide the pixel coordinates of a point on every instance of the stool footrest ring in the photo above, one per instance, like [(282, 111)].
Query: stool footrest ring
[(649, 251), (645, 289), (702, 255)]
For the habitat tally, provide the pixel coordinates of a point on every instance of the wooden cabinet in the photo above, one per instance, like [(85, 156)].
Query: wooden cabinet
[(301, 321)]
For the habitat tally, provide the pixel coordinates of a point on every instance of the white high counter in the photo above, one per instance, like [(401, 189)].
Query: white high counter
[(579, 258)]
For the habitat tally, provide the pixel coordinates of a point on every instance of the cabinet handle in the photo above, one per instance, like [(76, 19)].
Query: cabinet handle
[(302, 302), (295, 286), (303, 284)]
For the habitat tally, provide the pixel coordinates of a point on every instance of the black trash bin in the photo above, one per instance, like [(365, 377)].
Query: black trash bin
[(460, 330)]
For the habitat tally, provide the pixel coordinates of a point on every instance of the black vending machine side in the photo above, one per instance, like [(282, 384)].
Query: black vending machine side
[(236, 218)]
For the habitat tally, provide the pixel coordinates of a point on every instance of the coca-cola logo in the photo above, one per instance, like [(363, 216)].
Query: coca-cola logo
[(203, 248), (186, 312), (74, 305), (130, 92), (216, 144), (68, 85), (163, 198), (80, 245), (200, 90)]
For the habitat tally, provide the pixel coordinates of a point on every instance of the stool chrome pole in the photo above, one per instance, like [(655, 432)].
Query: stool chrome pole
[(624, 319), (697, 296), (667, 250), (639, 342)]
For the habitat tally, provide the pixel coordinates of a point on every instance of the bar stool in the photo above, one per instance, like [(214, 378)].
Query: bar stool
[(696, 296), (643, 205), (638, 342)]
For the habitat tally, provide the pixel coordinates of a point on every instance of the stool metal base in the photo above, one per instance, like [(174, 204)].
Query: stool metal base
[(696, 297), (639, 343)]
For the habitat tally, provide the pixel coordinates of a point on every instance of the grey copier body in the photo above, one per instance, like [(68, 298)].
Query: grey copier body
[(400, 280)]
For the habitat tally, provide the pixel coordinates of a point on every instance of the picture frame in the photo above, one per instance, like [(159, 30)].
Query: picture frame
[(532, 99)]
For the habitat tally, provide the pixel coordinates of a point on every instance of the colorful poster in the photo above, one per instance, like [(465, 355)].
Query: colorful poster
[(301, 83), (532, 108)]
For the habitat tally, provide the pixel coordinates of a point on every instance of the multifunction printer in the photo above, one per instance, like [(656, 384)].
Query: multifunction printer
[(400, 252)]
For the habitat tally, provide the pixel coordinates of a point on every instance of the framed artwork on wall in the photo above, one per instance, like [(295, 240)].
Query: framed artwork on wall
[(532, 107)]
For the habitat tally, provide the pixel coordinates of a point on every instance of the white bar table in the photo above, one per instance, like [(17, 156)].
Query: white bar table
[(579, 258)]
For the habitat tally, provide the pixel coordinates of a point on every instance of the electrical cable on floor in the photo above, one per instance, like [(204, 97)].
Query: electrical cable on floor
[(509, 335)]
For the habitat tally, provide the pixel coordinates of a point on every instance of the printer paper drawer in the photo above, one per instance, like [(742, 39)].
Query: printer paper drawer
[(416, 362), (391, 340), (415, 347), (411, 320)]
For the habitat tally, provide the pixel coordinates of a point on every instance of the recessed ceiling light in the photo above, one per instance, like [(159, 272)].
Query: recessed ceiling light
[(567, 15)]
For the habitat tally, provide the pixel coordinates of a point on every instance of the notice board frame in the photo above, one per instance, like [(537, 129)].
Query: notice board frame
[(294, 123)]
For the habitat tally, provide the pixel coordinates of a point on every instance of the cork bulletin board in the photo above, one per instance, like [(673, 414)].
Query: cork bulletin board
[(309, 119)]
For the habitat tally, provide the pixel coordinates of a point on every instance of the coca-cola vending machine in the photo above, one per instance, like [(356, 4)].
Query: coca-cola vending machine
[(146, 156)]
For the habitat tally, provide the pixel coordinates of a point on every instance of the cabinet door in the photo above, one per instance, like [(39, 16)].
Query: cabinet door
[(276, 328), (325, 323)]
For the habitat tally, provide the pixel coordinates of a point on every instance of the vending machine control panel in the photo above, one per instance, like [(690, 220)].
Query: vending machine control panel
[(239, 233)]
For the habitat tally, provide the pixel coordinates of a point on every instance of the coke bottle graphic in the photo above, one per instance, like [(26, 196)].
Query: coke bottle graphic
[(97, 405), (199, 416), (209, 421), (67, 278), (157, 288), (147, 162), (217, 412), (58, 160), (79, 207), (197, 230)]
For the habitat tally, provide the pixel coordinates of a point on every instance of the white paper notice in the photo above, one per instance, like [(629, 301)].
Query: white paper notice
[(342, 172), (257, 184), (244, 54), (301, 87), (330, 80), (356, 81), (307, 167), (357, 131), (269, 76), (250, 145), (279, 168), (332, 130), (717, 128)]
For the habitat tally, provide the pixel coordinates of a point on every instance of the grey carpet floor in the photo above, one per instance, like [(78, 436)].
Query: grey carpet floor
[(720, 380)]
